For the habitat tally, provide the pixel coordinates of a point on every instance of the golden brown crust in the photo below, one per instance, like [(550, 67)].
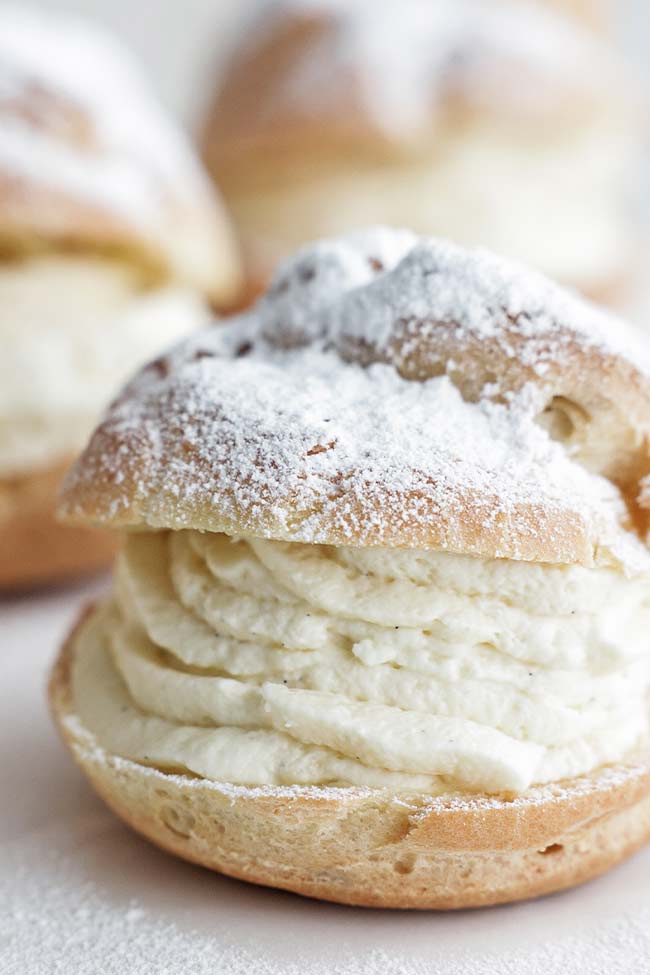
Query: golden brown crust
[(469, 524), (38, 219), (79, 170), (36, 549), (373, 848)]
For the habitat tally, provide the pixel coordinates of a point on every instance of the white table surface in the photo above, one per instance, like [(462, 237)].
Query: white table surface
[(81, 895)]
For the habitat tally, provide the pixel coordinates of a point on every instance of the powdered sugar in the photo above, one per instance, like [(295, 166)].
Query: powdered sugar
[(65, 910), (406, 61), (433, 281), (298, 419)]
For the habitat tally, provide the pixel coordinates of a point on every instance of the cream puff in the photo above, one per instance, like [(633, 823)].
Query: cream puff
[(378, 632), (112, 243), (486, 121)]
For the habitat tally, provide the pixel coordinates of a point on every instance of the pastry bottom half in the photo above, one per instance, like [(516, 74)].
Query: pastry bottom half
[(372, 848), (34, 548)]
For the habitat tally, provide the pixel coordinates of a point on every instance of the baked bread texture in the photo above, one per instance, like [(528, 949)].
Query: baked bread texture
[(492, 123), (112, 245), (377, 632)]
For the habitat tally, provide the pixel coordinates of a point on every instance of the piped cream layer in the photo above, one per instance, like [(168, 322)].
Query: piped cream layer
[(259, 662)]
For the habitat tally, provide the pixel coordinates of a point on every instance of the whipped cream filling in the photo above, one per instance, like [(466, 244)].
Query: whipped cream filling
[(72, 329), (268, 663), (557, 205)]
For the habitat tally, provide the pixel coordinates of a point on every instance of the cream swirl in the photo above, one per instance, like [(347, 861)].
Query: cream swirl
[(262, 662)]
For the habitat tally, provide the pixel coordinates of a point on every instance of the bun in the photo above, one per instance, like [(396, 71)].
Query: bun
[(319, 127), (393, 680), (355, 458)]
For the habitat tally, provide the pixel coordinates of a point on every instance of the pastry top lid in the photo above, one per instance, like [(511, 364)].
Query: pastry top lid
[(89, 160), (320, 72), (390, 391)]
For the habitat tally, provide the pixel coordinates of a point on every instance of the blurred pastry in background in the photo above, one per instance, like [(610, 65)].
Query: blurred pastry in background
[(494, 123), (111, 244)]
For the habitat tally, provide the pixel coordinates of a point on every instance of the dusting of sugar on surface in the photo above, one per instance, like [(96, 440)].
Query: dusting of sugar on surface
[(58, 917), (299, 419)]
